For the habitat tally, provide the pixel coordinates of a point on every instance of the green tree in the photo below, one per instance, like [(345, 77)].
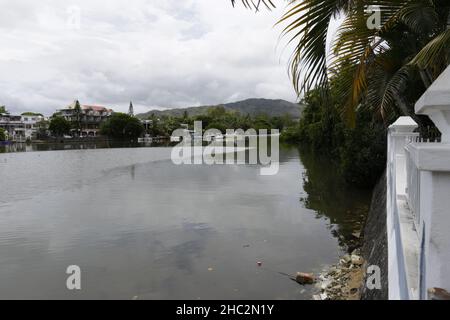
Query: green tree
[(216, 112), (59, 126), (3, 109), (185, 116), (2, 134), (122, 126), (32, 114), (42, 127), (387, 67), (359, 152), (78, 114)]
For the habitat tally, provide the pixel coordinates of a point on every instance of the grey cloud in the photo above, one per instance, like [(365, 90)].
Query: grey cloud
[(157, 53)]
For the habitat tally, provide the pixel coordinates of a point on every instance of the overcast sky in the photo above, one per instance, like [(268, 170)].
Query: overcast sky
[(156, 53)]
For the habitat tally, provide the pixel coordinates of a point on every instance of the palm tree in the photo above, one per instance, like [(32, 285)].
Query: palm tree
[(78, 114), (378, 67)]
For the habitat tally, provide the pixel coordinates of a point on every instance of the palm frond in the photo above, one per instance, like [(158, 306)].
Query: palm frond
[(307, 24), (435, 54), (255, 4)]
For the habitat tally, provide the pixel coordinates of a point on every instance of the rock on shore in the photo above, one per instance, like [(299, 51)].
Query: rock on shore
[(343, 280)]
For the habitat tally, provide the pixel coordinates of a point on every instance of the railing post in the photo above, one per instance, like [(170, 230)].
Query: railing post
[(399, 134), (433, 161)]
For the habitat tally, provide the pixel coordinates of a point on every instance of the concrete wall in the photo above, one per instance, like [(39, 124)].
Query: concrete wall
[(375, 248), (418, 201)]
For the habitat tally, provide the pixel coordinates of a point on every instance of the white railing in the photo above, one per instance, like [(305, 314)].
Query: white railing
[(413, 187), (418, 206), (401, 133)]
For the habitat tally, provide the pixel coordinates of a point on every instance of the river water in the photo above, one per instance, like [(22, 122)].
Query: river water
[(140, 227)]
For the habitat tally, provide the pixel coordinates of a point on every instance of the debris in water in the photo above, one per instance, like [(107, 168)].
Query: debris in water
[(246, 246), (305, 278), (259, 263), (210, 269)]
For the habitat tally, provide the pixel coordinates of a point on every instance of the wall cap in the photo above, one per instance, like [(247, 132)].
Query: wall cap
[(435, 103), (430, 156), (403, 124)]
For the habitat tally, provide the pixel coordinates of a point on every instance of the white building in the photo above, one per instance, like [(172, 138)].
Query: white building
[(30, 122), (13, 126)]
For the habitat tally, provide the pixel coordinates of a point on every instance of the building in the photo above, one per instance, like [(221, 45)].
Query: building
[(31, 124), (90, 118), (13, 126)]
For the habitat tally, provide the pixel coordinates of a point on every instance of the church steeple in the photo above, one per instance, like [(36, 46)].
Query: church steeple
[(131, 109)]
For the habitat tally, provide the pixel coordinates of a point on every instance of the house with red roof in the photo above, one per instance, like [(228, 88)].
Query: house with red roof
[(90, 118)]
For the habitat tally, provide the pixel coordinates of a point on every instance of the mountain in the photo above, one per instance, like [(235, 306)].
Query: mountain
[(250, 106)]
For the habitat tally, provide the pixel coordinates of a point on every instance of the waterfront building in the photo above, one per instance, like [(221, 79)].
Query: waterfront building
[(13, 125), (89, 117), (31, 124)]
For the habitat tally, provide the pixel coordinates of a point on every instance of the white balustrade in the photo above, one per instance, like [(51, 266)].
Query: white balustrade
[(418, 200)]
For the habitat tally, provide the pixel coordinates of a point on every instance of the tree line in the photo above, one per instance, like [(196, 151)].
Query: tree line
[(124, 126)]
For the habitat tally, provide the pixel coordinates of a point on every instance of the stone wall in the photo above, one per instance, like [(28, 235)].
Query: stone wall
[(375, 249)]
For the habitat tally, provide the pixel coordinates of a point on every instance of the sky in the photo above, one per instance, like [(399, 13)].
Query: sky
[(158, 54)]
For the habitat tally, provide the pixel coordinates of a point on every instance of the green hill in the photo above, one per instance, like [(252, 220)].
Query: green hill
[(251, 106)]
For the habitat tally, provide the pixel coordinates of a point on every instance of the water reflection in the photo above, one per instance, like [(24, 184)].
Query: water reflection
[(330, 197), (88, 145), (138, 225)]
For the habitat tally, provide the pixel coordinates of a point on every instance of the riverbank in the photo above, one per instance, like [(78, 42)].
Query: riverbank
[(343, 280), (346, 280)]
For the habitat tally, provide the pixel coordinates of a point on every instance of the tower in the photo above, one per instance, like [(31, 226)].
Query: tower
[(131, 110)]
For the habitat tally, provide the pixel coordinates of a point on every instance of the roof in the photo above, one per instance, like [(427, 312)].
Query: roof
[(95, 108), (90, 107)]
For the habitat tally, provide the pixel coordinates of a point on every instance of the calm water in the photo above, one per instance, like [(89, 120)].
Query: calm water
[(138, 225)]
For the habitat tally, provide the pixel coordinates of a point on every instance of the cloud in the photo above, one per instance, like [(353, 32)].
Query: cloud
[(156, 53)]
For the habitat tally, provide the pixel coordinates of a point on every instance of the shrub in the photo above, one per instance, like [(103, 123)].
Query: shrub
[(2, 134), (122, 126), (359, 152), (59, 126)]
